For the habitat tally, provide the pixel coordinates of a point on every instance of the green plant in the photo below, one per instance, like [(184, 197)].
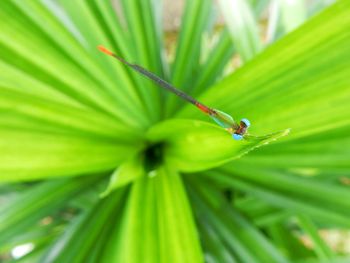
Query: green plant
[(74, 123)]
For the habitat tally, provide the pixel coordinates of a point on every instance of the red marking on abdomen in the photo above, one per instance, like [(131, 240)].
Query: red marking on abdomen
[(105, 50), (203, 108)]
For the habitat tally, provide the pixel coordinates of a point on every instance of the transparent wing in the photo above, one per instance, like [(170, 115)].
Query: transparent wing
[(223, 119)]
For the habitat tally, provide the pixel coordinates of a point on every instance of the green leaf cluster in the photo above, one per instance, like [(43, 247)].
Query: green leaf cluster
[(97, 164)]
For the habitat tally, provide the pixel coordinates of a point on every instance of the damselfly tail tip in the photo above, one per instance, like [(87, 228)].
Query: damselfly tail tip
[(105, 50)]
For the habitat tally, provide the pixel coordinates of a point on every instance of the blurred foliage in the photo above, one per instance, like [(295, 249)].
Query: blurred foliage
[(97, 164)]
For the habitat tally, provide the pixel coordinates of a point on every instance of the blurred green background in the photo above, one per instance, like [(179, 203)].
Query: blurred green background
[(97, 164)]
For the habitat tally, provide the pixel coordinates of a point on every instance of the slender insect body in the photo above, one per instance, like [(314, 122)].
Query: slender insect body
[(221, 118)]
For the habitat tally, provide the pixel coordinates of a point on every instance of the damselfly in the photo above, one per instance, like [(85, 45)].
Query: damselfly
[(221, 118)]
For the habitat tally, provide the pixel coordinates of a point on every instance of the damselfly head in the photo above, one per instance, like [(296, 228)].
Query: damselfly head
[(242, 129)]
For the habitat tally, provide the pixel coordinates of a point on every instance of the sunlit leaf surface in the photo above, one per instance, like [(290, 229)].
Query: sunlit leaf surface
[(98, 164), (194, 146)]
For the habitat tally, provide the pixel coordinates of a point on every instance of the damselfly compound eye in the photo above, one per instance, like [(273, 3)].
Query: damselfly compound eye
[(246, 122), (237, 137)]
